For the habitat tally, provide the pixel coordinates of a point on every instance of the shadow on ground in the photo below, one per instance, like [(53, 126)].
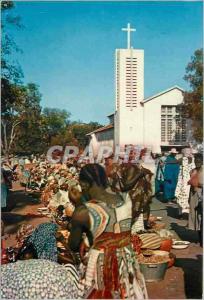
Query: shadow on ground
[(172, 212), (184, 233), (14, 221), (193, 279), (19, 199), (15, 202)]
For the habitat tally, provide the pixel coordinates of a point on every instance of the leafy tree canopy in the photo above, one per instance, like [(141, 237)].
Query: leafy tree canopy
[(56, 120), (193, 99)]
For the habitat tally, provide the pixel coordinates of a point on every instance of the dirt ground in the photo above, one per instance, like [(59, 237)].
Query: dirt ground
[(182, 281)]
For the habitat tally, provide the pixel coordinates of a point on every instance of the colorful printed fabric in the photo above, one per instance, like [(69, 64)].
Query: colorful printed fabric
[(110, 242), (183, 188), (38, 279), (110, 268), (150, 241), (112, 260), (44, 241), (24, 232), (98, 218), (138, 225)]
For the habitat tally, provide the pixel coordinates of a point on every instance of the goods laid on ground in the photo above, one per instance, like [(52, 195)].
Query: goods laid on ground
[(158, 226), (180, 244), (166, 244), (154, 258), (154, 266), (154, 272), (150, 241)]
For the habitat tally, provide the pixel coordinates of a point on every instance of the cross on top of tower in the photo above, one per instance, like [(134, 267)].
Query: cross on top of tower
[(129, 30)]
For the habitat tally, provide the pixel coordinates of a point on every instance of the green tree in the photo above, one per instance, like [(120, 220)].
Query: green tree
[(11, 74), (64, 138), (56, 121), (193, 99), (31, 129), (10, 69), (22, 123), (80, 131), (10, 115), (74, 134)]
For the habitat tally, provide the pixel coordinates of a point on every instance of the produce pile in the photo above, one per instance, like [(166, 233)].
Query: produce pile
[(153, 259)]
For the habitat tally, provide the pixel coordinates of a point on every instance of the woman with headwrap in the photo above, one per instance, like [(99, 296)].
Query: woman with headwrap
[(137, 181), (112, 269)]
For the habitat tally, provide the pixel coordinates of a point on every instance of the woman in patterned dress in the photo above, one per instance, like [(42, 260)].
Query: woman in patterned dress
[(183, 188), (112, 270)]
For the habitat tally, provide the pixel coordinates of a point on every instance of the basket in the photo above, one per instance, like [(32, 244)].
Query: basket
[(153, 272)]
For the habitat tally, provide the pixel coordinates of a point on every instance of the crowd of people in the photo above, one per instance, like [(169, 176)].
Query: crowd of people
[(179, 178), (98, 217)]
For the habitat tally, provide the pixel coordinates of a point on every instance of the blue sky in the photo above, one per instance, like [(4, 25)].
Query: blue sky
[(68, 49)]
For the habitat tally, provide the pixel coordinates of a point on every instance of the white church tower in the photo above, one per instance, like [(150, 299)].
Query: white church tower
[(129, 66)]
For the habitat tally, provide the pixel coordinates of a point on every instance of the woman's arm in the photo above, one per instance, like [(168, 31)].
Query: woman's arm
[(79, 225), (75, 237)]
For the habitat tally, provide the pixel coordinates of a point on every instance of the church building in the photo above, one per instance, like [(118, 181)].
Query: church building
[(154, 122)]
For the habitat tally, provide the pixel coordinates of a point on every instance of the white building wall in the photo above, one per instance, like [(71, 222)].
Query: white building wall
[(116, 128), (152, 117), (129, 94), (97, 141)]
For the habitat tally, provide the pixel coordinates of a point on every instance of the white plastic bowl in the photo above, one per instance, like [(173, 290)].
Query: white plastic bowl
[(180, 244)]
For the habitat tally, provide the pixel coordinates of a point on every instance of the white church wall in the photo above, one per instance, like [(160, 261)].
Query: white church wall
[(152, 116), (116, 129), (131, 126), (152, 125), (122, 70), (129, 94), (173, 97)]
